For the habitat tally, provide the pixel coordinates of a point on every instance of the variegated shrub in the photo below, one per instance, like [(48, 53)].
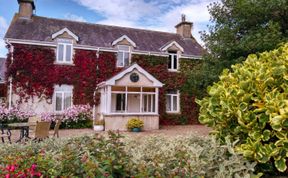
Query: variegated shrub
[(250, 104)]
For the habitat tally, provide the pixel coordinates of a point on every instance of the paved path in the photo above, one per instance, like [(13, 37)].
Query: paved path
[(164, 130)]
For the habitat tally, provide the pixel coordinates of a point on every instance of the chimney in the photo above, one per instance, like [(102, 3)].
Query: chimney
[(184, 28), (26, 8)]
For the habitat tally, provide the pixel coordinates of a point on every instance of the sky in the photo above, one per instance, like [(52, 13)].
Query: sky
[(160, 15)]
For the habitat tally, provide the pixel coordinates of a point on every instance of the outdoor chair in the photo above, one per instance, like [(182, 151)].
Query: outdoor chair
[(5, 133), (42, 130), (32, 123), (56, 128)]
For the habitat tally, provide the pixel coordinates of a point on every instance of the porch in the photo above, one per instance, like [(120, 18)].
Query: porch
[(131, 93)]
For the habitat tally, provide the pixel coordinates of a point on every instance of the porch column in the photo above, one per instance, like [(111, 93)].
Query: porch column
[(157, 100), (108, 106)]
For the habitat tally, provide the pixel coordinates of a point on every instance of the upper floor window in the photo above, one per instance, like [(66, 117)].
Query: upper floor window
[(123, 56), (172, 101), (63, 97), (173, 61), (64, 51)]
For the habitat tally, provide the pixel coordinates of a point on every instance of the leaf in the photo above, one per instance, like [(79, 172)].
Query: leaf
[(280, 164)]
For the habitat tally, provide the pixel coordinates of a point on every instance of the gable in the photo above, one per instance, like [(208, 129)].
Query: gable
[(123, 78), (66, 33), (124, 40)]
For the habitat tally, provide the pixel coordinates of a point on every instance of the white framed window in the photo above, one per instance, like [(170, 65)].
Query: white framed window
[(64, 51), (173, 62), (62, 97), (123, 56), (173, 101), (120, 102)]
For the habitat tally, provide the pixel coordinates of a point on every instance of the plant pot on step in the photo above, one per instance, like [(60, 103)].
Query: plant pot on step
[(136, 130), (98, 128)]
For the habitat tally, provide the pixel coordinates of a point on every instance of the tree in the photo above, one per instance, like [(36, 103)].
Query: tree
[(239, 28)]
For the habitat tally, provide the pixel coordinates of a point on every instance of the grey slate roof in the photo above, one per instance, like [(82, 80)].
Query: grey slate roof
[(42, 28), (2, 69)]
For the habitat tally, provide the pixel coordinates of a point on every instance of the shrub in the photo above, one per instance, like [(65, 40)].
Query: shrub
[(115, 156), (135, 123), (74, 117), (13, 115), (250, 105)]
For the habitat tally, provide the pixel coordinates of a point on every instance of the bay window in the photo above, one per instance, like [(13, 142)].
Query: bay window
[(62, 97), (123, 56), (64, 51), (172, 101)]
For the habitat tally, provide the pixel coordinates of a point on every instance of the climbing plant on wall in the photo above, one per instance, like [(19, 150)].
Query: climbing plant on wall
[(35, 73)]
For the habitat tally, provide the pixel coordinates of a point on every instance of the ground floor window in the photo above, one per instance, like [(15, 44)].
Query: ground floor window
[(62, 97), (120, 102), (133, 100), (172, 101)]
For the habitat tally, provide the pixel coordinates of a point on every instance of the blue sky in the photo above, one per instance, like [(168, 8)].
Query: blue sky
[(160, 15)]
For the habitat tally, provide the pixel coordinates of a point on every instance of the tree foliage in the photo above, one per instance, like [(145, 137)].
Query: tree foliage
[(239, 28)]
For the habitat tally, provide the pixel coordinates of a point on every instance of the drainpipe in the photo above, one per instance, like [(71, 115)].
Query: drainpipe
[(11, 50)]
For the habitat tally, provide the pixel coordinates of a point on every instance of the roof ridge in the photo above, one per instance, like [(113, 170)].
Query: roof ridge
[(113, 26)]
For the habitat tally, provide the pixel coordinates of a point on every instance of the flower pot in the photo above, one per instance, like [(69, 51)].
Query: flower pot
[(136, 130), (98, 128)]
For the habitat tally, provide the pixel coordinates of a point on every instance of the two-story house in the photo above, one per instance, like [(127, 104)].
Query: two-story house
[(122, 72)]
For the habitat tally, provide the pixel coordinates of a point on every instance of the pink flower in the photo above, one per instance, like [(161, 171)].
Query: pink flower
[(7, 176)]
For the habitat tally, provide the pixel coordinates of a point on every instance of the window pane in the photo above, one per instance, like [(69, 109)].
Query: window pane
[(120, 59), (67, 100), (58, 102), (126, 59), (175, 62), (171, 91), (170, 62), (60, 51), (123, 48), (68, 53), (168, 102), (175, 102), (120, 102)]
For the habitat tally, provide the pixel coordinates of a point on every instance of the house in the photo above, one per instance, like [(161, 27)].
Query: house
[(122, 72), (3, 86)]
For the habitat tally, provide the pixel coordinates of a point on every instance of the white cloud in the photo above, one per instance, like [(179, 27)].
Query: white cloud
[(74, 17), (3, 29), (158, 15)]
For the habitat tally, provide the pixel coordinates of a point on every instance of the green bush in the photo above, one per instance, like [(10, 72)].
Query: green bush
[(250, 105), (135, 123), (114, 156)]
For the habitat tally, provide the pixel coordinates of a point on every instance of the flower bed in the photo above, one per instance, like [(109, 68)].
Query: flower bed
[(114, 156)]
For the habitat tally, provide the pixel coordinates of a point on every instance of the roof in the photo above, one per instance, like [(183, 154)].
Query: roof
[(2, 69), (113, 79), (42, 28)]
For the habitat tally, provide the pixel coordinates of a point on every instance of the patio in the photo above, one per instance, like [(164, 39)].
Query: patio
[(171, 131)]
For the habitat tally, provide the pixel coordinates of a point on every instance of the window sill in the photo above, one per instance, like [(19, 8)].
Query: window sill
[(64, 63), (173, 112), (173, 70)]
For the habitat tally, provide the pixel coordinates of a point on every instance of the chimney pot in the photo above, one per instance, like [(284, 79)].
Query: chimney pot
[(26, 8), (184, 28)]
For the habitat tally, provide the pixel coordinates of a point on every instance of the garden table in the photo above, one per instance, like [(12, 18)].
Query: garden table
[(24, 130)]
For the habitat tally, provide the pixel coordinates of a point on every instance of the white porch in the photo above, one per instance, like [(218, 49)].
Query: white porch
[(131, 93)]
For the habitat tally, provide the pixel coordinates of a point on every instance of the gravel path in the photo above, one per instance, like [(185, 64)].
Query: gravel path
[(164, 130)]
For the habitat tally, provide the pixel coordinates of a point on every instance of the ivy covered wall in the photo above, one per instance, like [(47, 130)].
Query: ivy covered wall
[(35, 74)]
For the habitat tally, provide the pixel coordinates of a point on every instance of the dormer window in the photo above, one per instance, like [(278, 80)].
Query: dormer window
[(123, 55), (173, 61), (64, 51)]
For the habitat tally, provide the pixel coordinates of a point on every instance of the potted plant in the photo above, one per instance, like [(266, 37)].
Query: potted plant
[(98, 125), (135, 124)]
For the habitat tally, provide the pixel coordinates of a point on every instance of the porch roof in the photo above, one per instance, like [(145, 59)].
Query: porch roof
[(112, 81)]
